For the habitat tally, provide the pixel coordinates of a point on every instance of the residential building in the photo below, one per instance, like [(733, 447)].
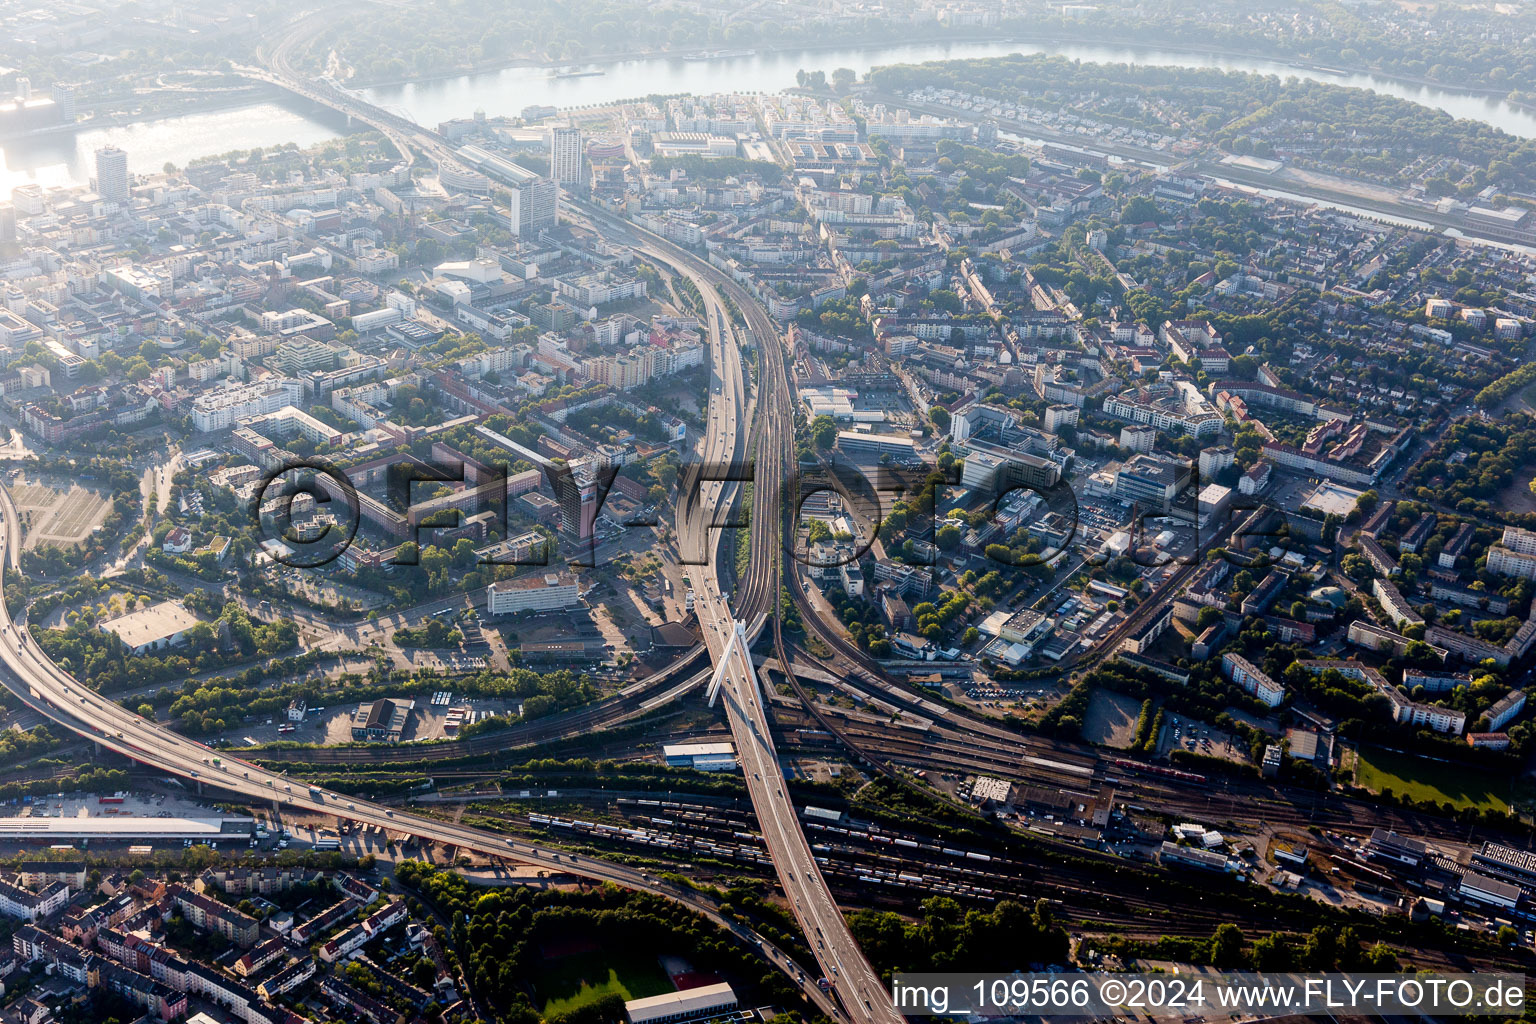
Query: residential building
[(567, 160), (112, 174), (1252, 679)]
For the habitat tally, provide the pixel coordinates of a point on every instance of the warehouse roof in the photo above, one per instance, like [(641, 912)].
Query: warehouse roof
[(123, 827), (675, 1005)]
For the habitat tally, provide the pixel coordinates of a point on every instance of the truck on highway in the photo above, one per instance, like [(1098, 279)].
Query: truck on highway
[(314, 791)]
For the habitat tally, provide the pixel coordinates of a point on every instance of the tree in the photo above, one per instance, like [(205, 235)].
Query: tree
[(843, 79), (940, 418), (824, 432), (1227, 947)]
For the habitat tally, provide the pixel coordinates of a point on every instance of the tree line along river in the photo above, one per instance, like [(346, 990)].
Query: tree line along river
[(66, 158)]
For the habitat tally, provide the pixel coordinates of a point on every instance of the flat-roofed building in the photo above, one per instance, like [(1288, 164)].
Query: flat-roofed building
[(155, 628), (1151, 481), (547, 592), (857, 443), (704, 757), (1388, 845), (1192, 857), (689, 1004), (1507, 863)]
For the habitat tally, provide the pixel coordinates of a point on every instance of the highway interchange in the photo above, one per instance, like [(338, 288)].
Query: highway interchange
[(742, 426), (53, 693)]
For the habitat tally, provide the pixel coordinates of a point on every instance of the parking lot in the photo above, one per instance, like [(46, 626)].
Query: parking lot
[(1180, 733)]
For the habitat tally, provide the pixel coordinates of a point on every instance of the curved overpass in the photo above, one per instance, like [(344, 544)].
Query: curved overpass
[(855, 982), (55, 694), (843, 963)]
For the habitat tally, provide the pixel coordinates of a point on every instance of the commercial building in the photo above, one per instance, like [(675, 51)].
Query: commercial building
[(1491, 892), (549, 592), (534, 206), (1507, 863), (382, 721), (535, 199), (1151, 481), (704, 757), (124, 828), (1191, 857), (1386, 845), (862, 444), (155, 628)]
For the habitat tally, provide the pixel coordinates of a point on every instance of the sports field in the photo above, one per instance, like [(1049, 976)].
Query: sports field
[(62, 515), (577, 979), (1459, 785)]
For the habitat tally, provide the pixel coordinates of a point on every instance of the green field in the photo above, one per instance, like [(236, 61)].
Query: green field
[(578, 979), (1430, 780)]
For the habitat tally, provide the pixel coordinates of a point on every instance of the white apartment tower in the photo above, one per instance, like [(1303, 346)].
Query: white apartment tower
[(567, 164), (534, 204), (112, 174)]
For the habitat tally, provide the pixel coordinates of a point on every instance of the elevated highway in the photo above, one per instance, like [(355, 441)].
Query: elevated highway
[(53, 693), (855, 983), (860, 995)]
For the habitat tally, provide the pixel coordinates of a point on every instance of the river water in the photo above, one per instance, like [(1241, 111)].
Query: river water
[(66, 158)]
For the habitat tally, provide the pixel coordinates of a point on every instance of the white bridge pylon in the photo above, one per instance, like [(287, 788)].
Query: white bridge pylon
[(736, 644)]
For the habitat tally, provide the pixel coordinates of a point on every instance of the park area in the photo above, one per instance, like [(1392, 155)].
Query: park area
[(570, 978), (1459, 785), (60, 514)]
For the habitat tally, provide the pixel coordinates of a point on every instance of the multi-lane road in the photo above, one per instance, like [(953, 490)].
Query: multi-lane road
[(844, 966), (857, 988), (52, 692)]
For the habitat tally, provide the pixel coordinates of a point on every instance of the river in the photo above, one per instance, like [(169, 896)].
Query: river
[(66, 158)]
